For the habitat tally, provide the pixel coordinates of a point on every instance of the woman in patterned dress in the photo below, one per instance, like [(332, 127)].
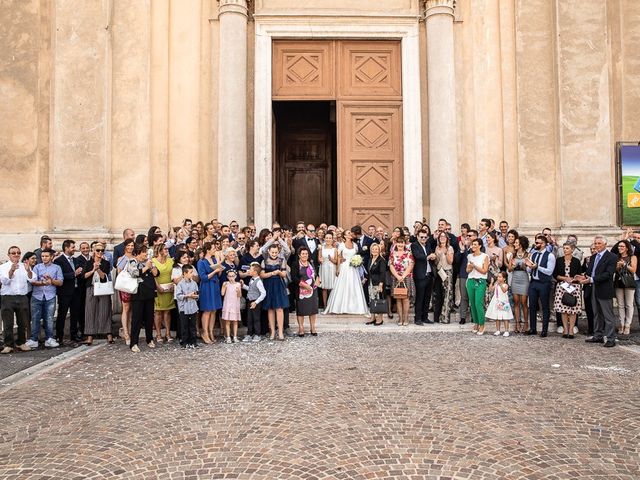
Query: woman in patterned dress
[(401, 266), (567, 267)]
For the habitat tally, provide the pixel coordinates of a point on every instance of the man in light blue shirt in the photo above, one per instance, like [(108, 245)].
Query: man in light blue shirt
[(540, 265), (46, 277)]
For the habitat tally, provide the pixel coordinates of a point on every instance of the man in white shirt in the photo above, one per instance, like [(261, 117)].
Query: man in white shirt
[(14, 277)]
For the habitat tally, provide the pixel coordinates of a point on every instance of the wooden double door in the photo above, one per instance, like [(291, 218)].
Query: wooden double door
[(362, 180)]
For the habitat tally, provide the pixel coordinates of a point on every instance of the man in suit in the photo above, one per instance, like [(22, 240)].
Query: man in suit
[(80, 291), (118, 250), (600, 273), (423, 269), (308, 240), (66, 291), (45, 244), (363, 243)]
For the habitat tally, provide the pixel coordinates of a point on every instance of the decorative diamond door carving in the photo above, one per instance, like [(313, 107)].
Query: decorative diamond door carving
[(370, 69), (303, 70)]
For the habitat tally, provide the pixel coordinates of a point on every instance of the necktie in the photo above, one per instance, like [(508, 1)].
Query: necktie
[(535, 260), (595, 264)]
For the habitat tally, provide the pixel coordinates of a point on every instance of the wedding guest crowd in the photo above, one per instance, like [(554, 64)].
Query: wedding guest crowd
[(177, 284)]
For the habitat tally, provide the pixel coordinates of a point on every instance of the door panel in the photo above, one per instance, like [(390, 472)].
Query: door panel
[(370, 69), (370, 163), (304, 177), (303, 70)]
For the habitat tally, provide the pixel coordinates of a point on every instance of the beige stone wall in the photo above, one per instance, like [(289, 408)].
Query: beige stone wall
[(25, 80), (109, 108)]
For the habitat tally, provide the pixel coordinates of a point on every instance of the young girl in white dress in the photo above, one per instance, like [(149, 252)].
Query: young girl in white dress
[(500, 309), (327, 258)]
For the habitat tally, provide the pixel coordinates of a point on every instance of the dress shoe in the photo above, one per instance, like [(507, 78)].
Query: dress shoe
[(370, 323), (418, 322), (530, 332), (6, 350), (462, 321), (594, 340), (543, 334), (428, 321), (609, 343)]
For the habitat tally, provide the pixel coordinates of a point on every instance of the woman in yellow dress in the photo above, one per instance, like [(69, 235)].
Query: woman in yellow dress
[(164, 301)]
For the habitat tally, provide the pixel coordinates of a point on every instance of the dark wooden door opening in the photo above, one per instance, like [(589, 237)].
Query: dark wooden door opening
[(305, 166)]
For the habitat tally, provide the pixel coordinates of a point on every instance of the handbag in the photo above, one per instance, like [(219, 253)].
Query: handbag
[(101, 289), (378, 305), (568, 300), (401, 292), (165, 287), (626, 277), (126, 283), (442, 274)]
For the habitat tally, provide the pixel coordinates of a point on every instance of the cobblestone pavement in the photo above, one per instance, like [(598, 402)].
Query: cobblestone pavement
[(18, 361), (336, 406)]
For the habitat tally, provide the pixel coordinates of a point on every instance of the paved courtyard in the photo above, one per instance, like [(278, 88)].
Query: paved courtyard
[(336, 406)]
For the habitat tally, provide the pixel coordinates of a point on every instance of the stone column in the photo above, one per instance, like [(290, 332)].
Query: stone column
[(232, 112), (443, 156)]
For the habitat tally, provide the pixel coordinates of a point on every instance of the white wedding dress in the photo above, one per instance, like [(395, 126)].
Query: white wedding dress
[(347, 295)]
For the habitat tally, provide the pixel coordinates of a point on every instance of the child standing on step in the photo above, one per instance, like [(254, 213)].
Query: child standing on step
[(500, 308)]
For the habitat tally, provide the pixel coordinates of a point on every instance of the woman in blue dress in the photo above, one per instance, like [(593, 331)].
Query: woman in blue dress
[(274, 271), (210, 300)]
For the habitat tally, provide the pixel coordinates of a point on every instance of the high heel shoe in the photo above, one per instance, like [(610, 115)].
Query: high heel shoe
[(378, 324), (370, 323)]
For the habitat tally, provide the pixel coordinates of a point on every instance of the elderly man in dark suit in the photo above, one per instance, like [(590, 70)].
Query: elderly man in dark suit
[(599, 274)]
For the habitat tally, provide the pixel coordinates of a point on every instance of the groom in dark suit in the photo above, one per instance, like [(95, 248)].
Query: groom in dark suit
[(599, 274), (363, 243)]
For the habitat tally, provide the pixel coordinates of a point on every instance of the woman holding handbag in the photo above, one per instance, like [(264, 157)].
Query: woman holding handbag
[(625, 283), (97, 308), (125, 298), (377, 275), (402, 287), (568, 298)]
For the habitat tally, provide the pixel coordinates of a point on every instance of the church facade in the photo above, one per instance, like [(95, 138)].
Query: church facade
[(131, 113)]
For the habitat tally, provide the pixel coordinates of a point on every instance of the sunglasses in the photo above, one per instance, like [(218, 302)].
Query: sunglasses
[(99, 250), (15, 253)]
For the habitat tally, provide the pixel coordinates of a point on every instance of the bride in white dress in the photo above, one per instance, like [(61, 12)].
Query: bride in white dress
[(347, 295)]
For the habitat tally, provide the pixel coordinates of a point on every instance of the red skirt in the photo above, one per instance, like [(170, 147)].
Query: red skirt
[(124, 297)]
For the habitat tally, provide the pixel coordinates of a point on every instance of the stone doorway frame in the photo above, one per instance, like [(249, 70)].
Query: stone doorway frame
[(406, 29)]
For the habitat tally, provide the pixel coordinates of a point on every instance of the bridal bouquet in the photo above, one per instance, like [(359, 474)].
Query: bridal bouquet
[(356, 261)]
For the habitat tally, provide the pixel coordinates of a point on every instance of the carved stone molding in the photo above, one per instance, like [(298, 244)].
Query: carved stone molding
[(440, 7), (233, 6)]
